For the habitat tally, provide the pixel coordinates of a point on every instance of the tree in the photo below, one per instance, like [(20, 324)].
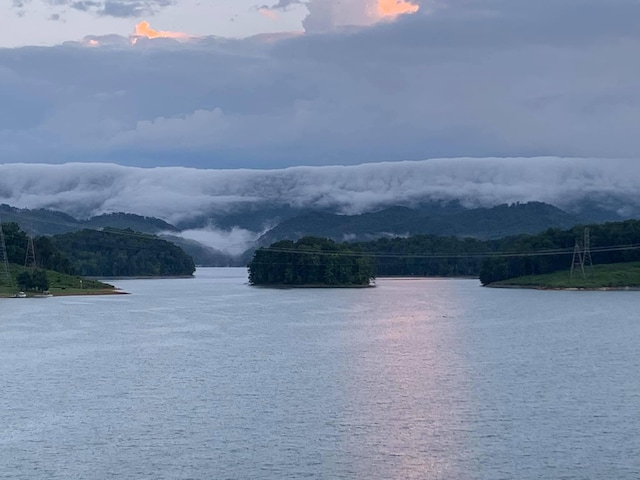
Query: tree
[(113, 252), (25, 281), (40, 280), (35, 280), (310, 261)]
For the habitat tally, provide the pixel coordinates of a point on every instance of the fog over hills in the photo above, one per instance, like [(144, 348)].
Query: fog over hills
[(230, 209)]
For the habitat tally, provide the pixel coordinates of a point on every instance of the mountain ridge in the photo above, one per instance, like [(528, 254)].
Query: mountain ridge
[(276, 222)]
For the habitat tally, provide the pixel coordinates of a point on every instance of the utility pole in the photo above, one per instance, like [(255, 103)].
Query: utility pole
[(5, 276)]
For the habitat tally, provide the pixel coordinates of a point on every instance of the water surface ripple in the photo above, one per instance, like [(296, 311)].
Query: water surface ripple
[(416, 379)]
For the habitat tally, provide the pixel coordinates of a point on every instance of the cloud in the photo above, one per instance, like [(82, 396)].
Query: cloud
[(284, 4), (109, 8), (281, 6), (456, 78), (130, 9), (183, 194), (234, 241), (326, 15), (144, 30)]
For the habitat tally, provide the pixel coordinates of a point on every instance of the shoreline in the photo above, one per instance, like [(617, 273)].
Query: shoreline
[(287, 287), (87, 293), (566, 289), (142, 277)]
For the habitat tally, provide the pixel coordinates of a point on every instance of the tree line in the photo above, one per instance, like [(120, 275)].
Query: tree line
[(120, 253), (48, 256), (622, 237), (100, 253), (431, 255), (311, 261), (509, 257)]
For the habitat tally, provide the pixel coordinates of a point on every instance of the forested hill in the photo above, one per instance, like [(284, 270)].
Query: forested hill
[(310, 262), (50, 222), (48, 256), (552, 251), (114, 252), (430, 219), (491, 260)]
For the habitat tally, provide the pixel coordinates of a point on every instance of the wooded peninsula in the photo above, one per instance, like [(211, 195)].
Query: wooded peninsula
[(58, 264)]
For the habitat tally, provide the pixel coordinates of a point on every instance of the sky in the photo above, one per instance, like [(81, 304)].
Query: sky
[(270, 84)]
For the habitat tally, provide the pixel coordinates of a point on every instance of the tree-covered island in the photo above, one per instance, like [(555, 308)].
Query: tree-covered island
[(311, 262)]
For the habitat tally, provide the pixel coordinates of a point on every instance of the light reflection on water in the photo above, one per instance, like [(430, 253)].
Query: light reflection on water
[(209, 378), (407, 359)]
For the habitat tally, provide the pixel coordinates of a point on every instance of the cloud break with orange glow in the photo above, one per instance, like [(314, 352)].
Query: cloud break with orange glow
[(144, 30), (394, 8), (270, 14)]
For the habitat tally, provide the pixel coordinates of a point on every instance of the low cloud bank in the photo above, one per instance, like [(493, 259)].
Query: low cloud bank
[(232, 242), (178, 194)]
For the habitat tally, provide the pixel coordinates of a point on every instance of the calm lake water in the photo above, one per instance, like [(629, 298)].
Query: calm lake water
[(428, 379)]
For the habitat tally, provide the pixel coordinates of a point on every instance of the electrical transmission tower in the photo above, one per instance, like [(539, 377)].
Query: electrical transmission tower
[(578, 260), (30, 257), (582, 254), (5, 276), (586, 253)]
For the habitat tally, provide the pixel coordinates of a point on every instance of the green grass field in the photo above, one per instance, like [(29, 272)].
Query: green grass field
[(59, 284), (615, 275)]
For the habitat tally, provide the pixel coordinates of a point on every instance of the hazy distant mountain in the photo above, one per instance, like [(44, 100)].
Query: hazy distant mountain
[(50, 222), (40, 221), (128, 220), (445, 220)]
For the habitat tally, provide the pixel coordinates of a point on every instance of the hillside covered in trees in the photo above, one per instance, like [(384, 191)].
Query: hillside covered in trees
[(52, 269), (48, 257), (120, 253), (430, 255), (310, 262), (510, 257), (552, 251), (100, 253)]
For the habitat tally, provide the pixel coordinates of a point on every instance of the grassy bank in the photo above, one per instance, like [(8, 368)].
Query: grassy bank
[(614, 276), (60, 284)]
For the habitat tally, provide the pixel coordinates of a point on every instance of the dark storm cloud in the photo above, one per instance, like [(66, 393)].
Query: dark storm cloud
[(473, 78)]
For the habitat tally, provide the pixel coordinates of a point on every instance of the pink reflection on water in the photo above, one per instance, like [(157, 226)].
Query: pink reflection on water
[(409, 389)]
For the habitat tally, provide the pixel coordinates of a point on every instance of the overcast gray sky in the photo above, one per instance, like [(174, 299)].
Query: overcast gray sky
[(454, 78)]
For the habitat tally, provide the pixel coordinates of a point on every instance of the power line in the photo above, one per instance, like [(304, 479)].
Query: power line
[(530, 253), (582, 254), (586, 258)]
